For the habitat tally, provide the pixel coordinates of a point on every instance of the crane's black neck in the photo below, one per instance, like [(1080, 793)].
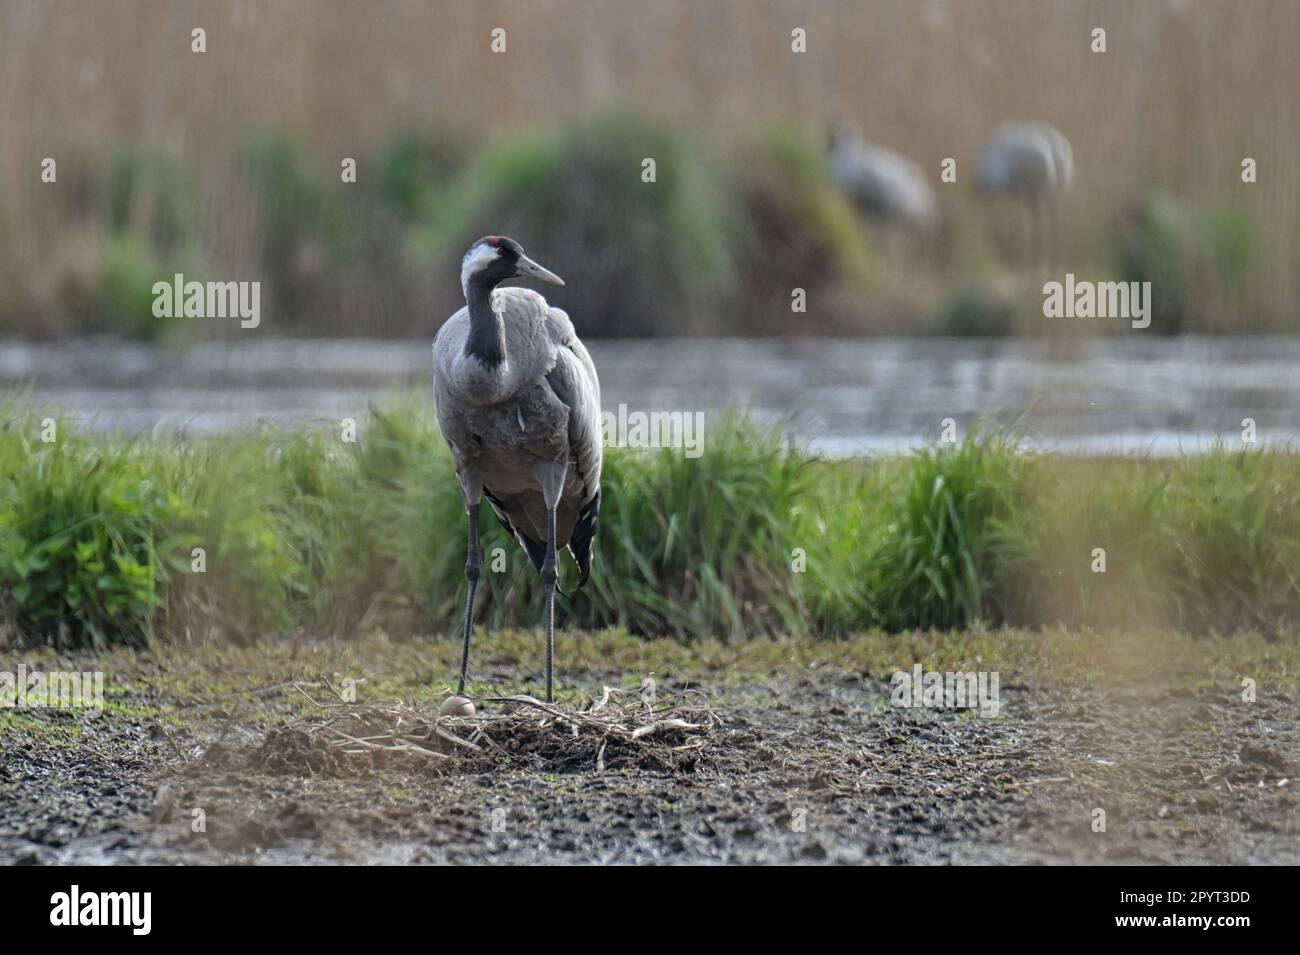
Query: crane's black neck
[(487, 340)]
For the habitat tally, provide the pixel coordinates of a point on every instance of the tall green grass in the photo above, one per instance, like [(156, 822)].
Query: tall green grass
[(83, 540), (690, 546), (930, 566), (1236, 535), (1201, 260), (236, 536)]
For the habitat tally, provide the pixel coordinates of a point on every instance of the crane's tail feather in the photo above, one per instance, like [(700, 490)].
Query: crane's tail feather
[(537, 556), (581, 545)]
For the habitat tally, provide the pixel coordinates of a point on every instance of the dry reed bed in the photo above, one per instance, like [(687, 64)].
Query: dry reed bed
[(1184, 92)]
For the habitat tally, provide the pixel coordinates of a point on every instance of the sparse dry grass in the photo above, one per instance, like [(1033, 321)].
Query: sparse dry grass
[(617, 729)]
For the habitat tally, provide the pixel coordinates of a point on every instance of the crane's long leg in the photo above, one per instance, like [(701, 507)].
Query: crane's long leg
[(472, 565), (549, 576), (1053, 239), (1029, 260)]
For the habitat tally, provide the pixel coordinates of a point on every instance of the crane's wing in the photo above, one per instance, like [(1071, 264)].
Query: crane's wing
[(574, 381)]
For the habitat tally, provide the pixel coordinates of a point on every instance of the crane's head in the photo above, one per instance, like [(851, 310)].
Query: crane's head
[(493, 259), (844, 133)]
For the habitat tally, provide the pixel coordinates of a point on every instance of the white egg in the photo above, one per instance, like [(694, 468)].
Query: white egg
[(456, 706)]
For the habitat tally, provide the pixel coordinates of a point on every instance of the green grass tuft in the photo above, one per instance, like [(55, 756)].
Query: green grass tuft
[(232, 537), (80, 534), (931, 566)]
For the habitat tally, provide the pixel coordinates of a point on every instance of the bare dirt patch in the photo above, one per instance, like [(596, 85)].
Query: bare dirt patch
[(803, 760)]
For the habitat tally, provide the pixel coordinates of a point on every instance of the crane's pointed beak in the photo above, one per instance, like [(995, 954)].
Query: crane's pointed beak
[(527, 266)]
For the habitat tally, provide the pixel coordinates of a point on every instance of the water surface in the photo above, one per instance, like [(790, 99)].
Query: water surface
[(1127, 394)]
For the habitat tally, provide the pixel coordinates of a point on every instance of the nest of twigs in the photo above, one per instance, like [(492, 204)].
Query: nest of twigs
[(621, 728)]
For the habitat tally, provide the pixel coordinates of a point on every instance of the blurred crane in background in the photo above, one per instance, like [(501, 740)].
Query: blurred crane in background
[(888, 189), (1031, 162)]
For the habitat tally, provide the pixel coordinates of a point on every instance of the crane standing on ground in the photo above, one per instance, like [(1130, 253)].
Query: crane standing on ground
[(1033, 162), (888, 189), (518, 402)]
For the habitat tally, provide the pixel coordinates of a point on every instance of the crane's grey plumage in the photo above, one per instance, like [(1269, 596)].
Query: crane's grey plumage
[(518, 402), (886, 186), (1028, 159), (1031, 161)]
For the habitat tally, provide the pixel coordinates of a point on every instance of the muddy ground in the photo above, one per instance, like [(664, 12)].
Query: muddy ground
[(811, 763)]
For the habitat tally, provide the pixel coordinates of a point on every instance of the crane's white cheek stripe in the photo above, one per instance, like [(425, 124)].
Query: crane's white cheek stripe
[(475, 260)]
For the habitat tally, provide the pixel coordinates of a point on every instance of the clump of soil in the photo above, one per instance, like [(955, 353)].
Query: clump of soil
[(295, 751), (620, 730)]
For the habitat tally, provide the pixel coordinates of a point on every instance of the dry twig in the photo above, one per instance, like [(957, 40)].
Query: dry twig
[(671, 732)]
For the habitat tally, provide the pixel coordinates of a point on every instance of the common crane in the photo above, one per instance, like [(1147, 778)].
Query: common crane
[(889, 189), (518, 402), (1033, 162)]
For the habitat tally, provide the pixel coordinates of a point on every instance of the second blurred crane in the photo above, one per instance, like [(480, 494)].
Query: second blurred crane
[(889, 189)]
